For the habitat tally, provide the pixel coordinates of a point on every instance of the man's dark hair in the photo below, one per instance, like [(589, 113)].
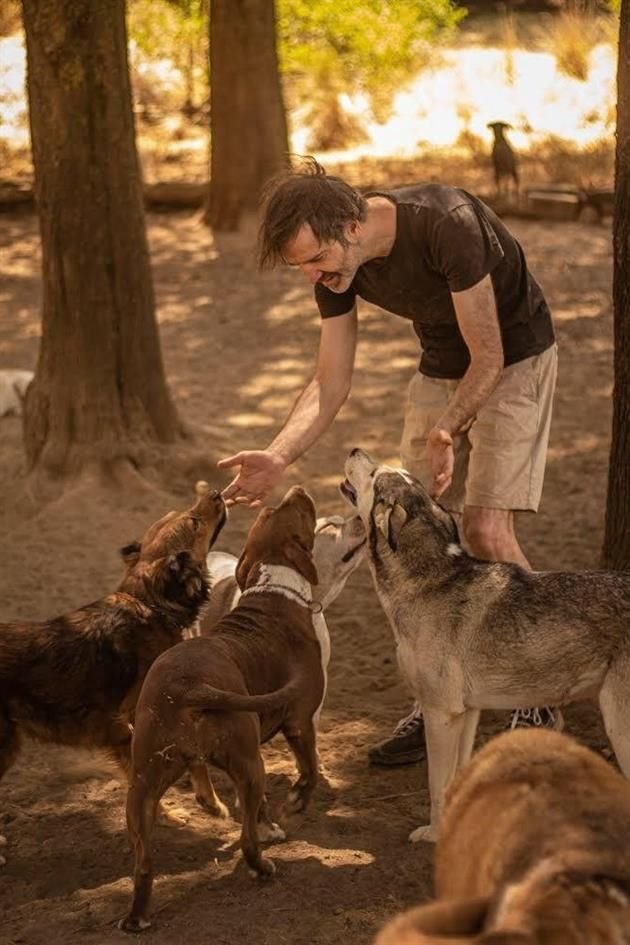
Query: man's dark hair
[(306, 194)]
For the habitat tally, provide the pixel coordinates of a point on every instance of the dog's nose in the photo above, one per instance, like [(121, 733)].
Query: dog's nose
[(355, 451)]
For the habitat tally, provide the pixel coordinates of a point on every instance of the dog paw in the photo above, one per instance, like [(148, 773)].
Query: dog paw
[(129, 924), (214, 808), (172, 816), (272, 831), (428, 834)]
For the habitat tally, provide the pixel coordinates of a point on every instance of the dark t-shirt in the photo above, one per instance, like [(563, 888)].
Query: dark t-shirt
[(447, 241)]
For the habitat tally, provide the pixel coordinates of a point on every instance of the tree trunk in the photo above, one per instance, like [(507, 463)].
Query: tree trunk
[(616, 551), (248, 120), (99, 393)]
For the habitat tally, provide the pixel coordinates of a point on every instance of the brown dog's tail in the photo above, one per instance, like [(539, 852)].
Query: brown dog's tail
[(207, 698)]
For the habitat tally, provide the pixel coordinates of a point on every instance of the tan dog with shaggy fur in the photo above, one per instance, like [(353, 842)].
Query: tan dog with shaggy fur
[(534, 849)]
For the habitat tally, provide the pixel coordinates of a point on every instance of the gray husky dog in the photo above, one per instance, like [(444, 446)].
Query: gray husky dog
[(474, 635)]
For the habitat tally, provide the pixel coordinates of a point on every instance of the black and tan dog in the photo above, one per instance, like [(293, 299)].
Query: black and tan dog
[(214, 699), (473, 635), (534, 849), (74, 680)]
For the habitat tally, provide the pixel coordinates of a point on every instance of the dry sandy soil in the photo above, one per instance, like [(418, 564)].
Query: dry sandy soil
[(238, 346)]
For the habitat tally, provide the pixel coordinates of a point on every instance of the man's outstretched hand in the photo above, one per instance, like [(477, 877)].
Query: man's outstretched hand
[(260, 471)]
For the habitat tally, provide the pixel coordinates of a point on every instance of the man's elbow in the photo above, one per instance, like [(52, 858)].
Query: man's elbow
[(340, 394), (334, 391), (335, 396)]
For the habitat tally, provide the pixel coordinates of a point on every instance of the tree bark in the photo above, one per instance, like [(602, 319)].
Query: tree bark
[(100, 392), (616, 550), (248, 119)]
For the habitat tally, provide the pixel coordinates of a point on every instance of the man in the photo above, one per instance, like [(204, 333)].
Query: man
[(479, 408)]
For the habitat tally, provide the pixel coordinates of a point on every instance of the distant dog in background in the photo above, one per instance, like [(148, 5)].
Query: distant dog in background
[(534, 850), (504, 160)]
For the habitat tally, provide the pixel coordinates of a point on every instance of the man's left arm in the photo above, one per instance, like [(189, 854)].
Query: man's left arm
[(476, 311)]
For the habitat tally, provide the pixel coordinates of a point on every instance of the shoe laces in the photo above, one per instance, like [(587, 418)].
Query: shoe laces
[(533, 718), (409, 724)]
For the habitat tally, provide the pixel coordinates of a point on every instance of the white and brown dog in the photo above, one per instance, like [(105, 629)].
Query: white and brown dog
[(534, 849), (339, 548)]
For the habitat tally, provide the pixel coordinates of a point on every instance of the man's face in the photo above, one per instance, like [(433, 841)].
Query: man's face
[(331, 264)]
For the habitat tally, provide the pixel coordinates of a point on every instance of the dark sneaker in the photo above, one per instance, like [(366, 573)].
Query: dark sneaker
[(404, 747), (543, 717)]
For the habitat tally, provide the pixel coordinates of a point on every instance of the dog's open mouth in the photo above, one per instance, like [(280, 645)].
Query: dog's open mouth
[(348, 492)]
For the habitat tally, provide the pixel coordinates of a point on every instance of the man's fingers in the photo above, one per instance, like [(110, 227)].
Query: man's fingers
[(230, 491), (229, 461), (440, 485), (251, 501)]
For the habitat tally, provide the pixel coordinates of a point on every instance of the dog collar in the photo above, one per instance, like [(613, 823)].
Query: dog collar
[(279, 579)]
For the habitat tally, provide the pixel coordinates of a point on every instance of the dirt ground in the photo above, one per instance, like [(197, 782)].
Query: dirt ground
[(238, 347)]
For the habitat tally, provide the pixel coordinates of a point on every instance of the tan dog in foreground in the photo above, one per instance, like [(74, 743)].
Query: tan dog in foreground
[(215, 699), (534, 849)]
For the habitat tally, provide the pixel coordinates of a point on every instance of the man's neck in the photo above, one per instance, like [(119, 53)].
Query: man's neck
[(379, 230)]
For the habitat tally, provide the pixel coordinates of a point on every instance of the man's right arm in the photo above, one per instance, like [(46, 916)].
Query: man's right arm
[(312, 414)]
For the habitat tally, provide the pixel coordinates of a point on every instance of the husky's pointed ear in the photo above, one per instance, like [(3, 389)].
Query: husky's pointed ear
[(389, 519)]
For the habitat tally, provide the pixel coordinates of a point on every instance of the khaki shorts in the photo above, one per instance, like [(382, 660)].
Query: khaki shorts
[(500, 457)]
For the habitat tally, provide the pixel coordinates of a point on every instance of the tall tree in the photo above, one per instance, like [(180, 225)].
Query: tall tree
[(247, 116), (616, 551), (99, 395)]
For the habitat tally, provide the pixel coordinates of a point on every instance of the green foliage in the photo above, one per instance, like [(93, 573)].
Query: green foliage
[(371, 46), (176, 30)]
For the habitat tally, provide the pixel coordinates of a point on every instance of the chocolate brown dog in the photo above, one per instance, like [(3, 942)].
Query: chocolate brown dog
[(215, 699), (534, 849), (74, 680)]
